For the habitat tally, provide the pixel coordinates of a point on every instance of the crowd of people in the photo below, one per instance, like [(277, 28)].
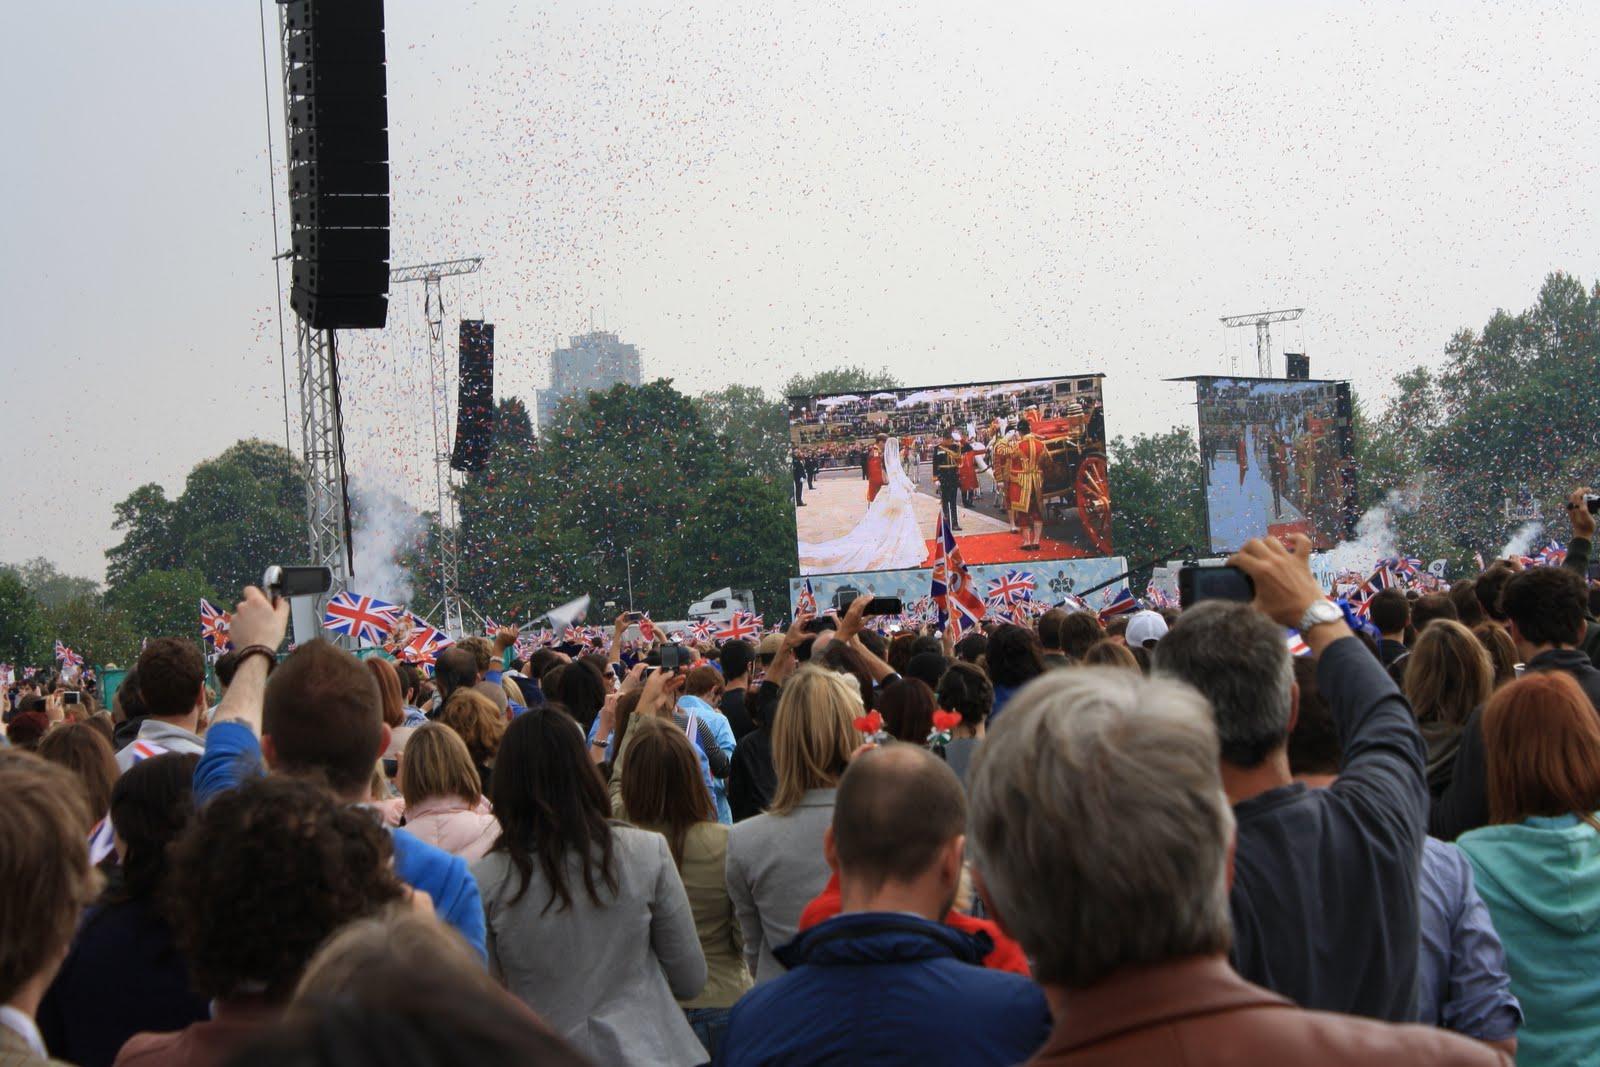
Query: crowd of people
[(1167, 840)]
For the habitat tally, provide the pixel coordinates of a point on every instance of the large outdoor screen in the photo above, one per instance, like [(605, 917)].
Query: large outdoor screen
[(1018, 470), (1276, 459)]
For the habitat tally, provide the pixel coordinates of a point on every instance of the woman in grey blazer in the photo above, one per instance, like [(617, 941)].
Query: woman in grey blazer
[(588, 921), (775, 860)]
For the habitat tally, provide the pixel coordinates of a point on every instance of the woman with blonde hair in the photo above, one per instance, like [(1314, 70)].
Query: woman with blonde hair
[(480, 724), (1537, 863), (1447, 678), (443, 795), (775, 860), (663, 790)]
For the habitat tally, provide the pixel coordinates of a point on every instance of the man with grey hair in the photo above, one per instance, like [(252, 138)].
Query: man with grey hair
[(1100, 835), (1324, 897)]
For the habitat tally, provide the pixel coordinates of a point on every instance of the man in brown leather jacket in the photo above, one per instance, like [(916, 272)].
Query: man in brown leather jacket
[(1102, 840)]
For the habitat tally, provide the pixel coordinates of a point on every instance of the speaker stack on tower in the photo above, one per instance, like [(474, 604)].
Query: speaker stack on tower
[(475, 412), (1297, 365), (338, 162)]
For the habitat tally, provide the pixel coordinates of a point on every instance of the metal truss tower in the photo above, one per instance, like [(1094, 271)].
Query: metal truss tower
[(450, 606), (1262, 321)]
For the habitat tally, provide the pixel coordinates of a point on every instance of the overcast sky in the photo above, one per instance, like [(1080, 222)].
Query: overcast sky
[(749, 189)]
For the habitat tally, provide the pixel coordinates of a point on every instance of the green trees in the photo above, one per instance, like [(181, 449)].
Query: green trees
[(839, 380), (686, 494), (1156, 503), (1512, 411), (238, 513), (23, 639)]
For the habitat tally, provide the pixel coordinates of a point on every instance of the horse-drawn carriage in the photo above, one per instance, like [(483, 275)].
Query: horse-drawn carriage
[(1074, 470)]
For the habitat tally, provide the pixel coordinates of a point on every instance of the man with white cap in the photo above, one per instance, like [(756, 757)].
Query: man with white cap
[(1145, 629)]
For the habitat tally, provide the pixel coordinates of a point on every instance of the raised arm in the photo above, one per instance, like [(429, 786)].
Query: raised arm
[(850, 626), (1581, 544), (1384, 756)]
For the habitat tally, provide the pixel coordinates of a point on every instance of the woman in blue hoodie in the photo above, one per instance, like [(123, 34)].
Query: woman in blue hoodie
[(1537, 863)]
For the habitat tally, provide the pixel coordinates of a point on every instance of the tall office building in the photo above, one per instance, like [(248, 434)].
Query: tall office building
[(594, 360)]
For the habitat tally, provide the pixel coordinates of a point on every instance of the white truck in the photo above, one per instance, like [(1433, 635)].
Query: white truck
[(722, 604)]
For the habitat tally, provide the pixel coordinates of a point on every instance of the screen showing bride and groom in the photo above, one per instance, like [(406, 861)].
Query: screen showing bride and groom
[(1016, 469), (1276, 459)]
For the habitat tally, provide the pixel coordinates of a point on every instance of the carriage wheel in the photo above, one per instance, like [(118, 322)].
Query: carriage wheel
[(1093, 493)]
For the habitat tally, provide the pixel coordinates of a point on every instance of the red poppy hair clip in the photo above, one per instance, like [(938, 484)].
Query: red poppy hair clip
[(943, 723), (870, 726)]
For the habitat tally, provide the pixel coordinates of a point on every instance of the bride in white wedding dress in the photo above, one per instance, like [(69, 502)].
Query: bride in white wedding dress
[(885, 539)]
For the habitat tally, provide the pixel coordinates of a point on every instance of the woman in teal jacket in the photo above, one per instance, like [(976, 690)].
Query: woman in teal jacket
[(1537, 863)]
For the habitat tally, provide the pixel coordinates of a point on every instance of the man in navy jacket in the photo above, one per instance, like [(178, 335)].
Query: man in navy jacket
[(886, 980)]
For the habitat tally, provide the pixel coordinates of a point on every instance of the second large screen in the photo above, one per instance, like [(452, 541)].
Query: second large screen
[(1276, 459), (1018, 470)]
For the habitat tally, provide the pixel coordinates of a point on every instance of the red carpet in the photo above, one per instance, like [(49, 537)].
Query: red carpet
[(1004, 548)]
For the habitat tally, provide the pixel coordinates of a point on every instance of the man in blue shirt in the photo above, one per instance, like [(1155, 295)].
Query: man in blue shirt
[(886, 981), (320, 715)]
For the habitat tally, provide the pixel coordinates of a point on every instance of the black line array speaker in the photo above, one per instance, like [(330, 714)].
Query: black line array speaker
[(336, 88), (475, 412), (1297, 365)]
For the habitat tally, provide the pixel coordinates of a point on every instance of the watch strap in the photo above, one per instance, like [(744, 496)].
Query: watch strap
[(258, 650), (1320, 613)]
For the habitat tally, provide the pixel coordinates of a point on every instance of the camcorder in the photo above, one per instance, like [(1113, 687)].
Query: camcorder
[(296, 581)]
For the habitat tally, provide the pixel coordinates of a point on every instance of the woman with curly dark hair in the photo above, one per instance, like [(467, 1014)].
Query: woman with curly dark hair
[(1015, 658), (588, 921), (261, 878), (123, 973)]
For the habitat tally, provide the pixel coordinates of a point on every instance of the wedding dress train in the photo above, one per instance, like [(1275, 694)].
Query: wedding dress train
[(885, 539)]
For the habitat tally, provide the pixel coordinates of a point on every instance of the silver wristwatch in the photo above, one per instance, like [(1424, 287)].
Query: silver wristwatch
[(1320, 612)]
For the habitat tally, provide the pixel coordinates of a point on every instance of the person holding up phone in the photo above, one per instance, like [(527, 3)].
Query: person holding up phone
[(1325, 880)]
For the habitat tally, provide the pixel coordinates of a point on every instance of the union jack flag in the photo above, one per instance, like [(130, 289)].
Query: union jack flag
[(66, 657), (1118, 602), (743, 625), (424, 643), (102, 840), (1553, 554), (361, 617), (214, 624), (806, 602), (952, 588), (921, 610), (1157, 596), (1011, 587), (702, 630), (1297, 644)]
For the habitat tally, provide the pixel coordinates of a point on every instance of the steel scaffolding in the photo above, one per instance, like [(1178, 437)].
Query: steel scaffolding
[(450, 606)]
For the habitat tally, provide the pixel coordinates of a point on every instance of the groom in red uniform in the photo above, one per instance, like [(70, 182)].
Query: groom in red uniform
[(875, 479)]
